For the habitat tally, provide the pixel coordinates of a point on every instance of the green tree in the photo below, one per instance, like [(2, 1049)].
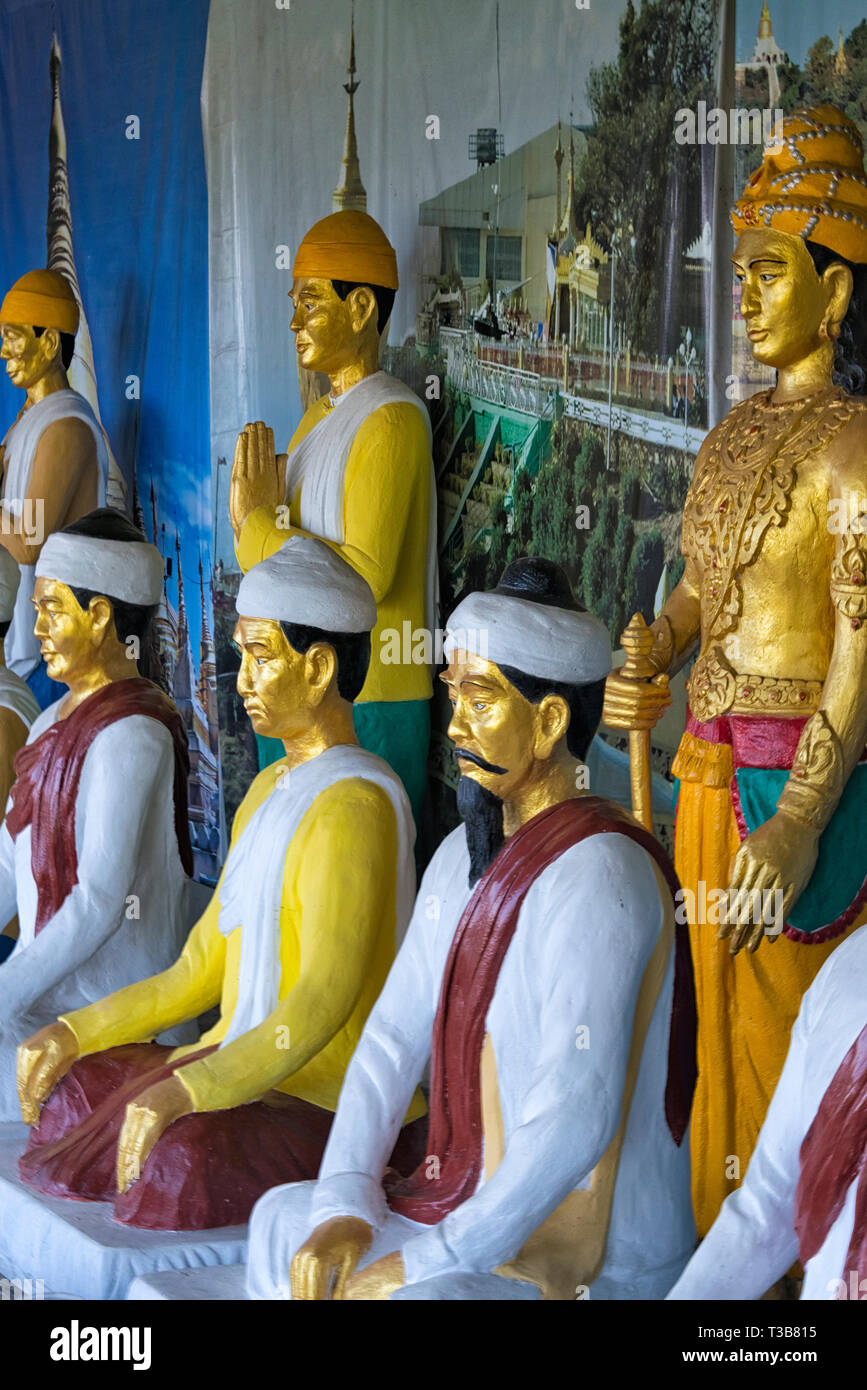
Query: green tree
[(499, 548), (474, 572), (624, 537), (643, 574), (522, 514), (553, 516), (596, 569), (634, 175)]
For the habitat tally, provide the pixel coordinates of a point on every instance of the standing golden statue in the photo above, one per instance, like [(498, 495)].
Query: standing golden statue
[(774, 594)]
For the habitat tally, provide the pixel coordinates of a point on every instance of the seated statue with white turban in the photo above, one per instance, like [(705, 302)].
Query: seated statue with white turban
[(94, 850), (543, 977), (317, 888)]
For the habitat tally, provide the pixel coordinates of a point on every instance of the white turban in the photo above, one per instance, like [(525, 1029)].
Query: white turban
[(10, 578), (307, 582), (131, 571), (556, 644)]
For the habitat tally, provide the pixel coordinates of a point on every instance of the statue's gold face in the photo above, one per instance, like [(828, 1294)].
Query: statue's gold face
[(69, 635), (27, 357), (493, 722), (280, 687), (327, 328), (783, 300)]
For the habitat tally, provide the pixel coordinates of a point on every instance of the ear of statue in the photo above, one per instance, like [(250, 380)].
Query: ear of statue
[(51, 344), (553, 717), (362, 308), (101, 616), (320, 670), (838, 282)]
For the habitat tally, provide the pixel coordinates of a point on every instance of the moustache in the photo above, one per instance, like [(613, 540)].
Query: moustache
[(458, 753)]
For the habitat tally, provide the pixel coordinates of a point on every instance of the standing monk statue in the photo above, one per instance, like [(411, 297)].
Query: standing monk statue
[(774, 595), (358, 475), (54, 457)]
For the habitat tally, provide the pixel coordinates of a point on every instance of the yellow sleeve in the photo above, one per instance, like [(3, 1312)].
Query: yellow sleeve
[(346, 850), (388, 462), (141, 1011), (194, 983)]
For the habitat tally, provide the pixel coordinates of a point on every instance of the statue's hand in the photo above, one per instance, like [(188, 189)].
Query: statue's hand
[(43, 1060), (378, 1281), (146, 1120), (778, 857), (631, 704), (328, 1258), (257, 474)]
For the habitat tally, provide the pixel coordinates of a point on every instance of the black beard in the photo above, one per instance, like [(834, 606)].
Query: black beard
[(482, 814)]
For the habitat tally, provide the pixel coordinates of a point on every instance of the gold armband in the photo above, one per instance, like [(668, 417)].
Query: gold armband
[(849, 578), (663, 650), (816, 782)]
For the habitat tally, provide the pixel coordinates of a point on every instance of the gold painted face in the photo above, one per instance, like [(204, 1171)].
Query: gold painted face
[(280, 687), (322, 324), (27, 357), (783, 300), (493, 721), (69, 635)]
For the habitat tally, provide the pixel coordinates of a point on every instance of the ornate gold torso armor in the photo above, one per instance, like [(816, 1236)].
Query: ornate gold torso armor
[(756, 525)]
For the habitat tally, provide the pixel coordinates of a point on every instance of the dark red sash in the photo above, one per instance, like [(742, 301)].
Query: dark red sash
[(479, 945), (48, 771), (833, 1156)]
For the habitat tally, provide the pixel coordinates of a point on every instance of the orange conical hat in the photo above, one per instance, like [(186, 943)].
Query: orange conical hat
[(811, 183), (44, 299), (348, 245)]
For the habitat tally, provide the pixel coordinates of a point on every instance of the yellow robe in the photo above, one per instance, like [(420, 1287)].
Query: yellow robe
[(746, 1004), (386, 510), (337, 925)]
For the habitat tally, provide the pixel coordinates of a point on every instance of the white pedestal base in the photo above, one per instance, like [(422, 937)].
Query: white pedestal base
[(79, 1250), (221, 1283)]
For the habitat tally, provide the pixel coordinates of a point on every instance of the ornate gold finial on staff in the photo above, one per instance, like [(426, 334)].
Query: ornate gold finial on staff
[(637, 641)]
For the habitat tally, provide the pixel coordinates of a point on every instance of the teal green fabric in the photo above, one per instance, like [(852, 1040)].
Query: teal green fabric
[(398, 730), (840, 868)]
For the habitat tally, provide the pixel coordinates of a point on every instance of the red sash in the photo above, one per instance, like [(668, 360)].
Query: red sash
[(48, 771), (833, 1156), (479, 945)]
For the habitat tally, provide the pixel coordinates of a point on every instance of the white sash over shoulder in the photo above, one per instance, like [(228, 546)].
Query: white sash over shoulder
[(251, 893), (319, 462)]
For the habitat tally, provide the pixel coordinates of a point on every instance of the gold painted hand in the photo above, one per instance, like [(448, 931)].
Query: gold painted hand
[(146, 1120), (632, 704), (327, 1259), (778, 857), (257, 474), (43, 1060), (378, 1281)]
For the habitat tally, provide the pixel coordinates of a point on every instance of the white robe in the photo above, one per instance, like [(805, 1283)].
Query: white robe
[(19, 445), (585, 933), (128, 862), (753, 1242)]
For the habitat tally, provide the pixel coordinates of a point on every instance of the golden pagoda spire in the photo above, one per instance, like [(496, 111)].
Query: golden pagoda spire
[(350, 191), (765, 22), (841, 62)]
